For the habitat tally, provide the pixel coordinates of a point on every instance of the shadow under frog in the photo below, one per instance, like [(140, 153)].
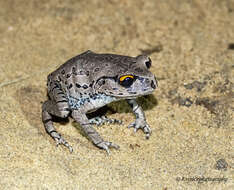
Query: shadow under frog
[(30, 99)]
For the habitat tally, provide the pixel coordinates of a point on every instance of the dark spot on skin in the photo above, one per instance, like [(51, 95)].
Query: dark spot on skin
[(59, 78), (63, 72), (111, 92), (114, 88), (70, 86), (65, 82), (85, 86), (74, 71), (60, 93), (120, 94), (96, 70), (81, 73), (78, 85), (91, 84), (87, 73), (68, 75)]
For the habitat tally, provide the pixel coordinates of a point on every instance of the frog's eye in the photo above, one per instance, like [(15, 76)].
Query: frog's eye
[(126, 80), (148, 63)]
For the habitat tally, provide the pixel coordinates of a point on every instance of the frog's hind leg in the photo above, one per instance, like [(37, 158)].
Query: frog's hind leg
[(104, 120), (57, 107)]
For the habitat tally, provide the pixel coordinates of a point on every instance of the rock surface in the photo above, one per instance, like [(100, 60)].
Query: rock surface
[(191, 113)]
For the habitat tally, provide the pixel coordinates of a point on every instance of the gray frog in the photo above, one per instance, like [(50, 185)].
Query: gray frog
[(89, 81)]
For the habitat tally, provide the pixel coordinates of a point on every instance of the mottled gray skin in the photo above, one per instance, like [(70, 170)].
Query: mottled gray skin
[(89, 81)]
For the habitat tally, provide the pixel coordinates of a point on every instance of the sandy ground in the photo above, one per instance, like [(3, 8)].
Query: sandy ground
[(191, 44)]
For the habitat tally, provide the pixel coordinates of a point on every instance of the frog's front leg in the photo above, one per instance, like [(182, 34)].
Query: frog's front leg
[(92, 134), (140, 122)]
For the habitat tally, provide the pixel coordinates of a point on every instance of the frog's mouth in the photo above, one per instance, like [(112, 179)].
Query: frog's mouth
[(129, 95)]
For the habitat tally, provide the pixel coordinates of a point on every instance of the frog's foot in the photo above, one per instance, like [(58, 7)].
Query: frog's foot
[(141, 124), (104, 120), (60, 140), (106, 145)]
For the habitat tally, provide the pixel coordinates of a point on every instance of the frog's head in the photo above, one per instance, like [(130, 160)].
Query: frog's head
[(130, 78)]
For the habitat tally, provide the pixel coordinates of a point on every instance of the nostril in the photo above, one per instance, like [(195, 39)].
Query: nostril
[(153, 85)]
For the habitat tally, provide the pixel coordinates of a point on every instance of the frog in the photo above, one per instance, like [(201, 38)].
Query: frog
[(89, 81)]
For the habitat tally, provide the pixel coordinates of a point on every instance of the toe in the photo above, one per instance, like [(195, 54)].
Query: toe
[(70, 149), (105, 147), (112, 145), (63, 142), (132, 125), (147, 131)]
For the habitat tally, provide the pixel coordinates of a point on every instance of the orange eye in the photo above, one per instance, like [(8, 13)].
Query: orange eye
[(121, 79), (126, 80)]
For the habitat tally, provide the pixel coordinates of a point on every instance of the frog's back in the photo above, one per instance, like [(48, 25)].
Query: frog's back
[(92, 66)]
